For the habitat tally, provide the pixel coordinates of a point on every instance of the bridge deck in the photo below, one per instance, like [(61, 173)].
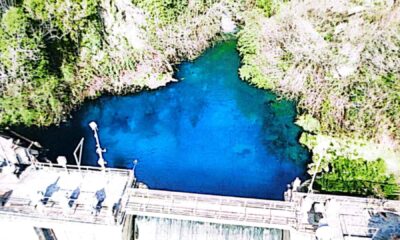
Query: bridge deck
[(346, 216), (210, 208)]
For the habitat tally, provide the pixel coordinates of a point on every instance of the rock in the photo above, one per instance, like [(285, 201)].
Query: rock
[(227, 25)]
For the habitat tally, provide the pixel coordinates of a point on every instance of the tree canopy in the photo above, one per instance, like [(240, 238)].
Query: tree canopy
[(54, 54)]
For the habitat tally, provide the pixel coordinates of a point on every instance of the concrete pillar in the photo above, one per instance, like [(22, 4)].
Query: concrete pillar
[(128, 230)]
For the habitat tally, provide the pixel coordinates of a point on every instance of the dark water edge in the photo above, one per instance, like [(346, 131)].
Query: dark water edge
[(209, 133)]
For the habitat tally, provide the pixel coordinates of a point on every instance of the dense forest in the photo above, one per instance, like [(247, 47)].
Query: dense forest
[(338, 59)]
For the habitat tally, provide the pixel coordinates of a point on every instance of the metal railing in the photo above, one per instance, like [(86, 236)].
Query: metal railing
[(212, 208), (56, 211), (58, 167)]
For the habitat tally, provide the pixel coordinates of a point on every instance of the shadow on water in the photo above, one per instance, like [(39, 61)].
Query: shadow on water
[(209, 133)]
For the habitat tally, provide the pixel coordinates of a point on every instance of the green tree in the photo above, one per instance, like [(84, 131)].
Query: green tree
[(270, 7), (162, 12), (29, 90)]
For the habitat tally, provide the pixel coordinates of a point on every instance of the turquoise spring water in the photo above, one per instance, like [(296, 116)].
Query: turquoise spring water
[(209, 133)]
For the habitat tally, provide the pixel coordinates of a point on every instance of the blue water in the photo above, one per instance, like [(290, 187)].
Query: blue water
[(209, 133)]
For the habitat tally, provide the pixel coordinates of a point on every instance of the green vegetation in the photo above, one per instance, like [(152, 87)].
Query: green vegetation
[(163, 12), (39, 41), (340, 65), (55, 54), (270, 7), (29, 89), (339, 60), (326, 148), (349, 165), (308, 123), (360, 177)]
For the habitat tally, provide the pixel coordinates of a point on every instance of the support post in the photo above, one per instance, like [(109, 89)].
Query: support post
[(99, 150)]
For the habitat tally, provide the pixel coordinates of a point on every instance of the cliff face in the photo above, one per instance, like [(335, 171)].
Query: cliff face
[(64, 52)]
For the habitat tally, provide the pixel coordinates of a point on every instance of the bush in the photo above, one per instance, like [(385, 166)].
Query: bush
[(359, 177)]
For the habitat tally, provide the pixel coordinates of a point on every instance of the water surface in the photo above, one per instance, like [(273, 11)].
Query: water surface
[(209, 133)]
